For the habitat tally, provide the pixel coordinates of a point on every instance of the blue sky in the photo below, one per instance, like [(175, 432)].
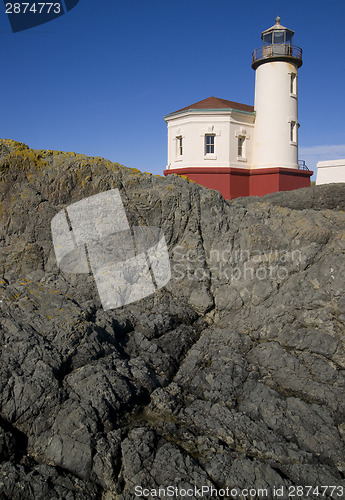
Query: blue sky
[(99, 79)]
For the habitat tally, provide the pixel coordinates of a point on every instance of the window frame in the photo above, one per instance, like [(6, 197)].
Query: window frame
[(293, 84), (241, 139), (293, 132), (211, 145), (179, 146)]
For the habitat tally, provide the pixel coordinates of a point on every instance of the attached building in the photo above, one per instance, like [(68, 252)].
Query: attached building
[(330, 172), (211, 133)]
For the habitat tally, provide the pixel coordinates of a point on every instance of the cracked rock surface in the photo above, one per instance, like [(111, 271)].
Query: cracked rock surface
[(231, 376)]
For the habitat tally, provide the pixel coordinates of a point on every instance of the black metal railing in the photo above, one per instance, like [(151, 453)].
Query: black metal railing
[(302, 165), (277, 50)]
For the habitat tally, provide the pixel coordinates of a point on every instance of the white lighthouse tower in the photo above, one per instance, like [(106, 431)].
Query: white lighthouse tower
[(239, 149), (276, 65)]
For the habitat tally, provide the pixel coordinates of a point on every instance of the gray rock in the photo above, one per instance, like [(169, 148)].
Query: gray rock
[(231, 376)]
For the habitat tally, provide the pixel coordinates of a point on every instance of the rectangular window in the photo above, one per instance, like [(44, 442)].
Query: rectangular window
[(268, 39), (279, 37), (179, 145), (240, 143), (293, 132), (293, 84), (209, 144)]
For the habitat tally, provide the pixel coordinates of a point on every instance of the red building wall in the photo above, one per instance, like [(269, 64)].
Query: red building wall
[(236, 182)]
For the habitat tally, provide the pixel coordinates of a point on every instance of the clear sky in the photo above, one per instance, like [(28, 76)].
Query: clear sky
[(99, 79)]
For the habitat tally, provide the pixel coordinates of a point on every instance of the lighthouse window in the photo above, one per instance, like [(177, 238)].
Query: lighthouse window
[(179, 142), (268, 39), (288, 38), (240, 144), (209, 144), (279, 37), (293, 132), (293, 84)]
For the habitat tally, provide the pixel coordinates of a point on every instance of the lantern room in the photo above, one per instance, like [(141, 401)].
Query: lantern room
[(277, 45)]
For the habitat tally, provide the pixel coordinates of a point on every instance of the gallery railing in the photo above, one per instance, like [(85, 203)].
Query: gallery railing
[(277, 50)]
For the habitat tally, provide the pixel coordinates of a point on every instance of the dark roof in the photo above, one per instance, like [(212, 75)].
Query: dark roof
[(216, 103)]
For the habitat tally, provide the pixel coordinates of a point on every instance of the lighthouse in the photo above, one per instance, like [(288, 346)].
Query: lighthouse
[(239, 149), (276, 66)]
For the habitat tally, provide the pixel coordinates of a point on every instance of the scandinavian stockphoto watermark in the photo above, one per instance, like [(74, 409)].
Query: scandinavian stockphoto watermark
[(230, 264), (131, 263), (28, 14), (93, 235)]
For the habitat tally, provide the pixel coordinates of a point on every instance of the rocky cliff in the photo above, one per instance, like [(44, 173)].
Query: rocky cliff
[(230, 377)]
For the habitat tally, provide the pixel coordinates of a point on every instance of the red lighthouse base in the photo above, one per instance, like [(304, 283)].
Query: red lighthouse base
[(236, 182)]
